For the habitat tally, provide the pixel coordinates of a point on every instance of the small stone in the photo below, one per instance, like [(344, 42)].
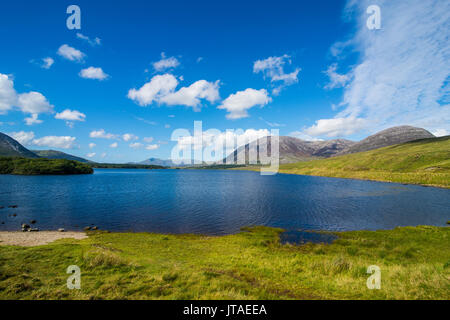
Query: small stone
[(14, 215), (61, 230), (1, 207), (33, 229), (87, 228), (3, 222), (33, 221), (94, 228), (13, 206), (25, 226), (448, 222)]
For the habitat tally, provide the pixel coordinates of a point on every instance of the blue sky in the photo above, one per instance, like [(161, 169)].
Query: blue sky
[(116, 89)]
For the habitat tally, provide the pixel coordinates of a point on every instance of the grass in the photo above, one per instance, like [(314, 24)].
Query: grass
[(425, 162), (414, 262)]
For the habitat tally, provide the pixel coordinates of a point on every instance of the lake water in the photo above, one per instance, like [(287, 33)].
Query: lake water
[(214, 202)]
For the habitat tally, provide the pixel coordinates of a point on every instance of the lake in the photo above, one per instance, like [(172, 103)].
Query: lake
[(214, 202)]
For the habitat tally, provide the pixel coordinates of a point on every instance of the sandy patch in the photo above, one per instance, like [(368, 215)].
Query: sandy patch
[(29, 239)]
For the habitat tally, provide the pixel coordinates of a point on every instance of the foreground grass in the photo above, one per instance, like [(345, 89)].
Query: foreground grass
[(425, 162), (414, 261)]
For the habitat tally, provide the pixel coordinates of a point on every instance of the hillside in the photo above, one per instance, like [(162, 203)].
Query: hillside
[(11, 148), (291, 149), (53, 154), (425, 161), (388, 137)]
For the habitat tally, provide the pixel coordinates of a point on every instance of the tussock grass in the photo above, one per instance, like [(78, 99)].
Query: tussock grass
[(414, 262)]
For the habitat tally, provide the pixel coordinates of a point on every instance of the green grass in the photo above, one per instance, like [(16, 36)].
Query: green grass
[(28, 166), (425, 162), (414, 262)]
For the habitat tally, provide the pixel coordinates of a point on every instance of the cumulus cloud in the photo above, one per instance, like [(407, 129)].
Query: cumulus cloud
[(92, 145), (33, 119), (70, 115), (93, 42), (24, 138), (403, 72), (129, 136), (101, 134), (63, 142), (238, 103), (31, 102), (273, 68), (152, 147), (47, 63), (90, 155), (165, 63), (136, 145), (161, 89), (113, 145), (8, 95), (70, 53), (93, 73)]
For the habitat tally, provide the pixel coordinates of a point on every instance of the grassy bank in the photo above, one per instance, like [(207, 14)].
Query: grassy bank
[(425, 162), (414, 262), (28, 166)]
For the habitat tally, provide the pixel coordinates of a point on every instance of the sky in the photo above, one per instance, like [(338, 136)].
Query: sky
[(121, 87)]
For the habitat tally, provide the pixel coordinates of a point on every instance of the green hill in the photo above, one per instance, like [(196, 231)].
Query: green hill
[(53, 154), (425, 161), (11, 148)]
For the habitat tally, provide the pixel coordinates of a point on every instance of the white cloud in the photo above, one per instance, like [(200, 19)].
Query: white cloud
[(23, 137), (93, 42), (336, 127), (47, 63), (63, 142), (70, 115), (136, 145), (102, 134), (303, 136), (238, 103), (113, 145), (152, 147), (165, 63), (34, 102), (92, 145), (273, 68), (161, 89), (199, 59), (441, 132), (93, 73), (8, 95), (190, 96), (148, 139), (32, 120), (70, 53), (159, 86), (336, 80), (402, 76), (129, 136), (31, 102), (90, 155)]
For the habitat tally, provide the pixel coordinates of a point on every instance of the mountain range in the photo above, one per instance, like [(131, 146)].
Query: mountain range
[(291, 149)]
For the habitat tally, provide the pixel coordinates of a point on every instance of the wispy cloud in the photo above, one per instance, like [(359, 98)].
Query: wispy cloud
[(93, 42), (273, 68), (70, 53), (165, 63), (403, 73)]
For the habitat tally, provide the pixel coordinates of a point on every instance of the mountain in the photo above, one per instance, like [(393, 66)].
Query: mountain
[(424, 161), (53, 154), (12, 148), (292, 149), (388, 137), (158, 162)]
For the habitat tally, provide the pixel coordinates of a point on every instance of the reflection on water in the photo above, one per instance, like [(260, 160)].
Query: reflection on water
[(214, 202)]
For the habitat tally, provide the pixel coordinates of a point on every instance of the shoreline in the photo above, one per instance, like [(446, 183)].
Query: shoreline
[(31, 239)]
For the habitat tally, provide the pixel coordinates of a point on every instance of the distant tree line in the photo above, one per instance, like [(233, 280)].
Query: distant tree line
[(28, 166)]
